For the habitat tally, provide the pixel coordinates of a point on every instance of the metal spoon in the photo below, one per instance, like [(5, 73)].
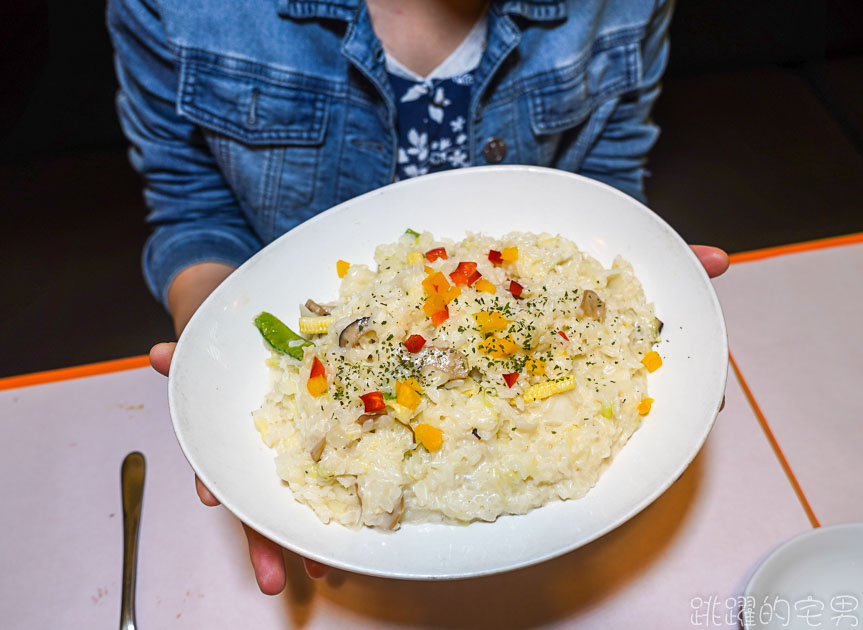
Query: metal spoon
[(132, 482)]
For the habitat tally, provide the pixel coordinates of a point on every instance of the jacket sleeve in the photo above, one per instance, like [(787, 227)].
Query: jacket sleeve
[(619, 156), (194, 213)]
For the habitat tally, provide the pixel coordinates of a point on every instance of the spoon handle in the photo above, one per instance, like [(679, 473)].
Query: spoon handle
[(132, 482)]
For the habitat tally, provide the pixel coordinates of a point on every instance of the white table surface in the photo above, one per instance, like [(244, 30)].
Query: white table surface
[(685, 556)]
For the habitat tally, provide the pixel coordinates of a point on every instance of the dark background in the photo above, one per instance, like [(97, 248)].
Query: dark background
[(762, 144)]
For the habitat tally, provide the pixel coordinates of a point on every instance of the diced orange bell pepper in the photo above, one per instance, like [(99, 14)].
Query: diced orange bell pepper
[(317, 383), (433, 304), (509, 254), (535, 367), (652, 361), (644, 406), (497, 347), (485, 286), (407, 395), (450, 294), (429, 436), (436, 283), (489, 321), (440, 317)]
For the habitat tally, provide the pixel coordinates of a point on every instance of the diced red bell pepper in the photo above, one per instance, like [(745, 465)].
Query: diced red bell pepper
[(317, 368), (510, 378), (563, 334), (495, 257), (373, 401), (464, 272), (440, 317), (476, 275), (433, 254), (415, 343), (515, 288)]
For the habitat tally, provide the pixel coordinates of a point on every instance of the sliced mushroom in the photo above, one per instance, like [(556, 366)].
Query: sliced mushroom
[(395, 515), (369, 416), (350, 336), (318, 449), (592, 306), (316, 308), (451, 362)]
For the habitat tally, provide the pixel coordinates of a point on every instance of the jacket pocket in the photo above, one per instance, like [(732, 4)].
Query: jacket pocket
[(265, 127), (566, 98), (568, 107)]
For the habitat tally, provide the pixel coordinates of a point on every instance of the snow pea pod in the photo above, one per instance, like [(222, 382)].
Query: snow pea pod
[(279, 336)]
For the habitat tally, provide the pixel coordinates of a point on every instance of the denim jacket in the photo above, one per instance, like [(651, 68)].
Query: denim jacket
[(248, 117)]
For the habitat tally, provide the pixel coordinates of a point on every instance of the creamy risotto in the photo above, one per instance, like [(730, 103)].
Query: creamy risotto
[(458, 381)]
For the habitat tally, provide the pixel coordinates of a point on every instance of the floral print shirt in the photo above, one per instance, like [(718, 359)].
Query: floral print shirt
[(431, 124)]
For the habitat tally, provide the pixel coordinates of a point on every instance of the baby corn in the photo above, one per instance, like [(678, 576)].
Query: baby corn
[(549, 388), (315, 325)]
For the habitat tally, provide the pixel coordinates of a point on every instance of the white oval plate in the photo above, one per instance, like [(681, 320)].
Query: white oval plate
[(813, 580), (218, 376)]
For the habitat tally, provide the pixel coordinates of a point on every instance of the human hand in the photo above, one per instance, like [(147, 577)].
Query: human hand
[(266, 556), (714, 260)]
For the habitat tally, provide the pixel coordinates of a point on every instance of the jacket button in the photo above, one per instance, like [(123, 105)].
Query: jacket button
[(494, 150)]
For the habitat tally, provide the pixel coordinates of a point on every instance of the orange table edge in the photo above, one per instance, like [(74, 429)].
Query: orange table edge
[(78, 371)]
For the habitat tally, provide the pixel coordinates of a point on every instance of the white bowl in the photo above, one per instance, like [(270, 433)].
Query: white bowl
[(814, 578), (218, 376)]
